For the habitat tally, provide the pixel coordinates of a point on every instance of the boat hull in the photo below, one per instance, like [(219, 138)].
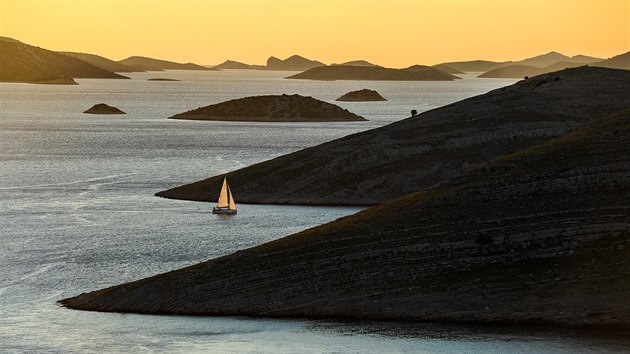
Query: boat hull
[(223, 211)]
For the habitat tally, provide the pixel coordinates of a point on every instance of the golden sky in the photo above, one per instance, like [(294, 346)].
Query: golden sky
[(394, 33)]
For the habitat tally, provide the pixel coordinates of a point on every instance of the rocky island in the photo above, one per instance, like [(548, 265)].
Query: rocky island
[(345, 72), (413, 154), (272, 108), (101, 62), (364, 95), (102, 108), (540, 236)]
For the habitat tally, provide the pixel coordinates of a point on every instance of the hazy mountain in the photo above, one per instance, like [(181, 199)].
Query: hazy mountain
[(621, 61), (512, 71), (20, 62), (448, 69), (231, 64), (544, 60), (292, 63), (378, 165), (150, 64), (101, 62), (536, 237), (340, 72)]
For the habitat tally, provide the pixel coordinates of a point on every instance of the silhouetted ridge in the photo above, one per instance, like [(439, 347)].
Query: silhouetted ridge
[(378, 165)]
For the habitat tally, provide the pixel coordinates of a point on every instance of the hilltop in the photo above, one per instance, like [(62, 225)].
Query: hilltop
[(537, 237), (231, 64), (101, 62), (357, 63), (364, 95), (20, 62), (273, 108), (292, 63), (378, 165), (474, 65), (339, 72), (150, 64)]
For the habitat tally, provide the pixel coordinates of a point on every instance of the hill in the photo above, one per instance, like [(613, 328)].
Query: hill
[(20, 62), (543, 60), (101, 62), (538, 237), (273, 108), (150, 64), (231, 64), (378, 165), (621, 61), (292, 63), (339, 72), (358, 63)]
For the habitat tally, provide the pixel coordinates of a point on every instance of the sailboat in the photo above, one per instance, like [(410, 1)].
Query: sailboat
[(226, 204)]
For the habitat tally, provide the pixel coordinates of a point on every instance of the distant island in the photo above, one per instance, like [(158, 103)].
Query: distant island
[(292, 63), (231, 65), (273, 108), (20, 62), (340, 72), (365, 95), (101, 62), (102, 108), (538, 235), (150, 64)]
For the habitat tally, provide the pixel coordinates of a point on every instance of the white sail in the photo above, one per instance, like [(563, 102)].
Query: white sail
[(223, 196), (231, 203)]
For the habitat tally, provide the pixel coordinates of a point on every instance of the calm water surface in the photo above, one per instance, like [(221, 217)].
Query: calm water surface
[(77, 213)]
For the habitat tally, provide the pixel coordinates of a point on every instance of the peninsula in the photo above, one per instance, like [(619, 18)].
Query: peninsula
[(536, 237), (413, 154), (272, 108), (20, 62)]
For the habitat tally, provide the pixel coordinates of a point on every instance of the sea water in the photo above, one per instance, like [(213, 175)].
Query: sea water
[(77, 213)]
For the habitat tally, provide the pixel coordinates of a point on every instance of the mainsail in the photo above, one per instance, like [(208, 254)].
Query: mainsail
[(226, 200), (223, 196)]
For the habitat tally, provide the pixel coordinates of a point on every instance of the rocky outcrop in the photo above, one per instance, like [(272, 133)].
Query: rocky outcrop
[(273, 108), (378, 165), (292, 63), (364, 95), (102, 108), (541, 236), (21, 62), (341, 72), (150, 64)]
